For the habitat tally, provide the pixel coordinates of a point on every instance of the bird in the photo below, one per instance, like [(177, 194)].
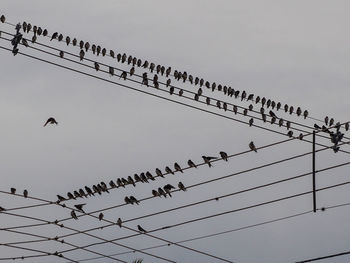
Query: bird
[(97, 66), (104, 187), (298, 111), (70, 195), (2, 209), (131, 181), (81, 54), (81, 44), (119, 222), (100, 216), (80, 207), (87, 45), (159, 172), (82, 193), (13, 190), (61, 54), (112, 184), (60, 37), (111, 53), (132, 71), (143, 178), (278, 106), (273, 120), (111, 71), (252, 146), (207, 160), (54, 36), (306, 113), (177, 167), (73, 214), (133, 200), (60, 198), (51, 120), (290, 134), (161, 192), (119, 183), (67, 40), (155, 193), (25, 193), (317, 127), (141, 229), (127, 200), (168, 170), (181, 186), (272, 114), (25, 43), (149, 176), (76, 194), (224, 156), (346, 126), (331, 122), (89, 191), (137, 178), (2, 19), (124, 181), (191, 164), (96, 189), (235, 109), (34, 39), (251, 121)]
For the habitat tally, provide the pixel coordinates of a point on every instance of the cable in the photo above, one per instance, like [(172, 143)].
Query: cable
[(208, 200), (324, 257), (228, 231)]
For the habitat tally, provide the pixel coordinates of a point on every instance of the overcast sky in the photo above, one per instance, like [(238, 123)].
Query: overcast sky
[(295, 52)]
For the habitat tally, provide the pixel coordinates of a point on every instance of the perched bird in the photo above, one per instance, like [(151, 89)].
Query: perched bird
[(224, 156), (207, 101), (61, 54), (100, 216), (25, 193), (272, 114), (245, 112), (61, 198), (251, 121), (125, 182), (80, 207), (81, 44), (143, 178), (25, 43), (111, 53), (141, 229), (177, 167), (104, 51), (168, 170), (235, 109), (133, 200), (54, 36), (167, 188), (111, 71), (87, 45), (298, 111), (45, 32), (131, 181), (81, 54), (149, 176), (13, 190), (278, 106), (159, 172), (273, 120), (290, 134), (60, 37), (346, 126), (73, 214), (96, 189), (155, 193), (301, 136), (132, 71), (181, 186), (112, 184), (89, 191), (97, 66), (2, 209), (76, 194), (317, 127), (34, 39), (70, 195), (137, 178), (50, 120), (161, 192), (331, 122), (127, 200), (191, 164), (207, 160), (306, 113), (2, 19), (119, 222), (82, 193), (67, 40), (252, 146), (280, 122)]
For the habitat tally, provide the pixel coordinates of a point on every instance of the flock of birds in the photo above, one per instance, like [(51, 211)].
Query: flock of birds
[(143, 177)]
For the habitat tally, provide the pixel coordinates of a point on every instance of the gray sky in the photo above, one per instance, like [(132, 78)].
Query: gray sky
[(295, 52)]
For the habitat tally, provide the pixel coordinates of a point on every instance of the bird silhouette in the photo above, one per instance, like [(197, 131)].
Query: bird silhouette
[(82, 193), (127, 200), (13, 190), (178, 167), (133, 200), (50, 120), (54, 36), (161, 192), (96, 189), (143, 178), (111, 53), (168, 170), (60, 37), (89, 191), (137, 178), (2, 19), (81, 44), (74, 215), (87, 46), (81, 55), (159, 172), (61, 198), (2, 209), (100, 216), (224, 156), (76, 194), (97, 66), (131, 181), (252, 146), (70, 195), (25, 193), (251, 121), (124, 181), (207, 160), (112, 184), (61, 54), (191, 164), (141, 229), (149, 176), (119, 222), (80, 207), (155, 193), (181, 186)]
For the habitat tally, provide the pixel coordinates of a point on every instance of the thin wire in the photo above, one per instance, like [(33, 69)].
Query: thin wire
[(227, 231), (211, 199), (324, 257)]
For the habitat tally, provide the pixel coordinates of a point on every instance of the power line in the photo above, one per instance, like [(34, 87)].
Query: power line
[(324, 257), (208, 200)]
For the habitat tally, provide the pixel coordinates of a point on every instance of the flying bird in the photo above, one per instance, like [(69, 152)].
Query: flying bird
[(252, 146), (50, 120)]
